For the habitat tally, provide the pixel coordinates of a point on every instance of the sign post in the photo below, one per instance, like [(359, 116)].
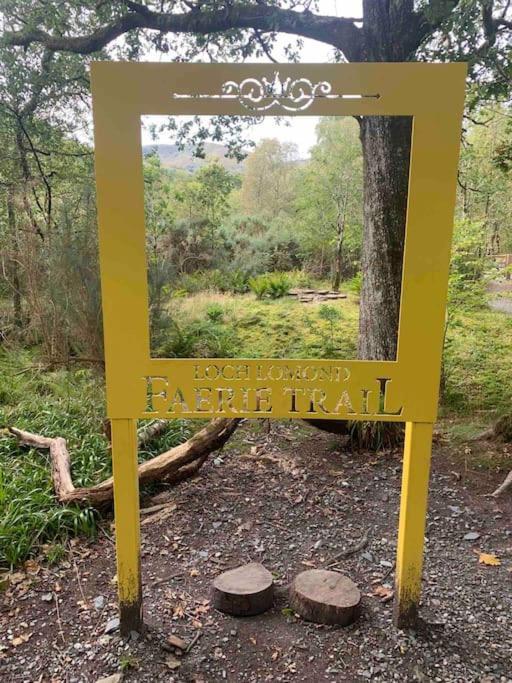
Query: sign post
[(401, 390)]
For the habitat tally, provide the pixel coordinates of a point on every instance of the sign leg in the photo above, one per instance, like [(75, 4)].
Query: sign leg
[(411, 529), (126, 510)]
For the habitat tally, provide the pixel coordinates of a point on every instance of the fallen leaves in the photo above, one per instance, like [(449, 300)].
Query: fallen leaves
[(19, 640), (172, 662), (489, 559), (384, 593)]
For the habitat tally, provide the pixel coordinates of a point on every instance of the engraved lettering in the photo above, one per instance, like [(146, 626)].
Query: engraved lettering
[(383, 381), (203, 397), (151, 394), (263, 400), (344, 403), (178, 402)]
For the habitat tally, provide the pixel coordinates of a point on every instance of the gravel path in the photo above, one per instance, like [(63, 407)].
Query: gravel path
[(292, 500)]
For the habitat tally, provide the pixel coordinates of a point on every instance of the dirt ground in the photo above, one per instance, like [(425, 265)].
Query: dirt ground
[(292, 499)]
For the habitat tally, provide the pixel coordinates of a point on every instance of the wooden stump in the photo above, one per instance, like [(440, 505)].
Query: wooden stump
[(244, 591), (325, 597)]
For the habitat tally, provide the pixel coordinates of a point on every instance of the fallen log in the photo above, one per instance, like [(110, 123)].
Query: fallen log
[(172, 466), (501, 430), (504, 486)]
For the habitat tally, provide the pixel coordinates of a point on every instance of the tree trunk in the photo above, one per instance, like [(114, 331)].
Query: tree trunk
[(386, 145), (15, 261), (336, 277)]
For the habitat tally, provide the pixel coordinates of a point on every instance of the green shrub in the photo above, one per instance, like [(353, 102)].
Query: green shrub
[(331, 316), (199, 339), (271, 285), (299, 278), (215, 313), (233, 281), (259, 286), (278, 285), (469, 267), (355, 283)]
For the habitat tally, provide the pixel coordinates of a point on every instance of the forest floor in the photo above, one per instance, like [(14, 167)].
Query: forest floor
[(290, 498)]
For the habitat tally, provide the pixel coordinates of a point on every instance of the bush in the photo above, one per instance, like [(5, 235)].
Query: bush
[(235, 282), (271, 285), (198, 339), (300, 278), (278, 285), (354, 284), (215, 313), (259, 286), (469, 267)]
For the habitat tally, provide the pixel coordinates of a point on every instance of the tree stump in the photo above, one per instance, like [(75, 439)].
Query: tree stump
[(325, 597), (244, 591)]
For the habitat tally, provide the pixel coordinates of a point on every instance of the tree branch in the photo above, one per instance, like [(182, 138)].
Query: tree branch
[(340, 32)]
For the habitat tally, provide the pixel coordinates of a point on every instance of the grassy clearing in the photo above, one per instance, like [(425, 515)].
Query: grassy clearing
[(280, 328), (477, 359)]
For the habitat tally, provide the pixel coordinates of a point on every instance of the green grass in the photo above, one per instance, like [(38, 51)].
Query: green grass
[(478, 363), (68, 403), (279, 328)]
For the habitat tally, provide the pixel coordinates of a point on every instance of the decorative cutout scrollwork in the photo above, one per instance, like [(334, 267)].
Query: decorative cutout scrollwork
[(262, 94)]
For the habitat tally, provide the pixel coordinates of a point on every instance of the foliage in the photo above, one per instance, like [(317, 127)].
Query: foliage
[(271, 285), (485, 178), (469, 266), (233, 281), (331, 315), (215, 313), (207, 338), (478, 363), (259, 285), (355, 283), (66, 403), (266, 190), (328, 199)]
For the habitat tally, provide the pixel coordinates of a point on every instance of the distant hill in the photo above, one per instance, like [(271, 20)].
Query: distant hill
[(184, 160)]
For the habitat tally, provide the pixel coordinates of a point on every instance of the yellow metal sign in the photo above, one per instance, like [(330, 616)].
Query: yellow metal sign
[(404, 390)]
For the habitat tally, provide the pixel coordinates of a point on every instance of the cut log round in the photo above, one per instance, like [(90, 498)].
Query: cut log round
[(325, 597), (244, 591)]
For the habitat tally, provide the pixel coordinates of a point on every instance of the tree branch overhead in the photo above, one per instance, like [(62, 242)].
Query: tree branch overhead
[(340, 32)]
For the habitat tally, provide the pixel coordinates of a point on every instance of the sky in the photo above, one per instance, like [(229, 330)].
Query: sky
[(301, 130)]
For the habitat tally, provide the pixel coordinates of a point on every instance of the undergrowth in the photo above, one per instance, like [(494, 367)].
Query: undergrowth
[(67, 403)]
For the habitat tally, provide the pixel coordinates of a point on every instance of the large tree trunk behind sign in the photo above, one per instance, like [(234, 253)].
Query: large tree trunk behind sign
[(386, 143)]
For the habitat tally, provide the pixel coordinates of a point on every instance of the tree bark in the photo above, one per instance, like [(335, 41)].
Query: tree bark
[(15, 260), (338, 253), (386, 143), (174, 465)]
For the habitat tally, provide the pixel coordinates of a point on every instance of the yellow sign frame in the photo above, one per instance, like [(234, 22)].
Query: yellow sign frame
[(404, 390)]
